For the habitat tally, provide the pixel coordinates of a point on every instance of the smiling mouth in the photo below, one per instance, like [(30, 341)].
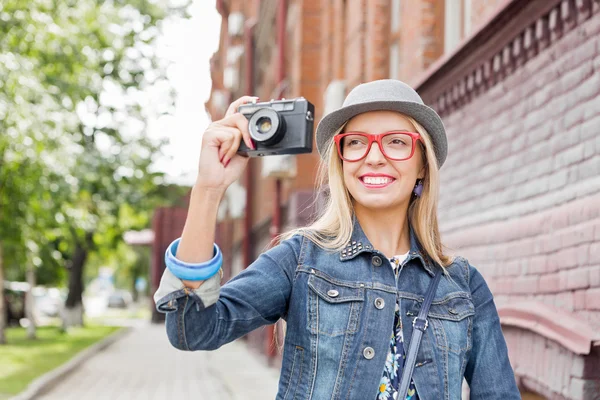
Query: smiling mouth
[(380, 181)]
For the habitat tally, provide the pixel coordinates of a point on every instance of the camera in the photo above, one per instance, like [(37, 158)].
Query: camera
[(279, 127)]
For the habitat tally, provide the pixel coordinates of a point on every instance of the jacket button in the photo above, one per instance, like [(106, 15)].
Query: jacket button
[(368, 353), (333, 293), (379, 303), (376, 261)]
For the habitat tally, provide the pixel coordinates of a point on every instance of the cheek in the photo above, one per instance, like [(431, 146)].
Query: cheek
[(348, 173), (408, 169)]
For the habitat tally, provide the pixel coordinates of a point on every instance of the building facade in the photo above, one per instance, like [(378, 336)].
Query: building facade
[(516, 83)]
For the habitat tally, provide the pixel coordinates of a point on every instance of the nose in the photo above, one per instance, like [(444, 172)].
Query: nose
[(375, 156)]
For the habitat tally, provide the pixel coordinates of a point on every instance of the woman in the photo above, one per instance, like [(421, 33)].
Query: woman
[(350, 285)]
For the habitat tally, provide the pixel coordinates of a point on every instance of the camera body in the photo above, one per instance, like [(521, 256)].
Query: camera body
[(279, 127)]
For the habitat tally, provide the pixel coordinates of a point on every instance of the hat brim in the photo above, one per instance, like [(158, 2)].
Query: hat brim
[(423, 114)]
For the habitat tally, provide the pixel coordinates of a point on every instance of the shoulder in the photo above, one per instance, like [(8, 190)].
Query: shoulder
[(478, 286), (467, 270)]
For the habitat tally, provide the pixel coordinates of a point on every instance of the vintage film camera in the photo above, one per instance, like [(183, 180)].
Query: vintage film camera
[(279, 127)]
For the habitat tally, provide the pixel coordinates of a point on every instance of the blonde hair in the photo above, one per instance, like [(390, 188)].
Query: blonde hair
[(332, 229)]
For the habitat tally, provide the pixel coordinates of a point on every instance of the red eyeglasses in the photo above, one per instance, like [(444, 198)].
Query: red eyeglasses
[(395, 145)]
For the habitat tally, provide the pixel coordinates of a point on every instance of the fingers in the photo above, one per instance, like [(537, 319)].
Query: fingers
[(242, 100), (228, 143), (237, 162), (226, 140), (227, 133), (241, 123), (233, 147)]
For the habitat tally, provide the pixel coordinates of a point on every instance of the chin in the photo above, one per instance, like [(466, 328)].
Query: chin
[(375, 202), (377, 206), (383, 201)]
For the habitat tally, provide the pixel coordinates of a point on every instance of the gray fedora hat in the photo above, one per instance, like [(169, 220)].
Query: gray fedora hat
[(384, 94)]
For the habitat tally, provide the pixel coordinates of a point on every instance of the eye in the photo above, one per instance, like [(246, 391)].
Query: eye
[(354, 141), (398, 142)]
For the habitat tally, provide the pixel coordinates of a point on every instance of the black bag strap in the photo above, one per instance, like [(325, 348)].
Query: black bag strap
[(420, 324)]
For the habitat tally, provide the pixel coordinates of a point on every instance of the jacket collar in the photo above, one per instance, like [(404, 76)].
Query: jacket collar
[(359, 243)]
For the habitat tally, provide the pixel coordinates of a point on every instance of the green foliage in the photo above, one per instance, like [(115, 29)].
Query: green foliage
[(74, 154)]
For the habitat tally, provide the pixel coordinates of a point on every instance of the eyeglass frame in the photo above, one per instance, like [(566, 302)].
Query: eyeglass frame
[(376, 138)]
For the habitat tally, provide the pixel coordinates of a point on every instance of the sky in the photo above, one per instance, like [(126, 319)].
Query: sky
[(188, 44)]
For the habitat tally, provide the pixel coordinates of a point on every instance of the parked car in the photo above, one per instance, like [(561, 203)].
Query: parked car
[(119, 299), (48, 301)]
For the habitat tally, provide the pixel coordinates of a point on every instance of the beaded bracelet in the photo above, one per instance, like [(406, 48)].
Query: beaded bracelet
[(192, 271)]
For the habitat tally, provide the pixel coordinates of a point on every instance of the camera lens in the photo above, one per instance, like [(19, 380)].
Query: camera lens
[(266, 126), (263, 125)]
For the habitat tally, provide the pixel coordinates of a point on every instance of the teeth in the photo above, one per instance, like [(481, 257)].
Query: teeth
[(376, 181)]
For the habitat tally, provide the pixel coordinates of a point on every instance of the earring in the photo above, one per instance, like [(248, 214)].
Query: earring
[(418, 188)]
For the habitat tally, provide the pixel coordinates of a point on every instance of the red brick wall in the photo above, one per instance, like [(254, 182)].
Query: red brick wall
[(520, 190), (339, 51), (307, 80), (481, 10), (327, 44), (421, 37), (355, 39), (520, 198), (167, 224), (377, 35)]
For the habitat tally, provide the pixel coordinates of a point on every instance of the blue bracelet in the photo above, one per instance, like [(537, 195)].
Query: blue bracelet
[(192, 271)]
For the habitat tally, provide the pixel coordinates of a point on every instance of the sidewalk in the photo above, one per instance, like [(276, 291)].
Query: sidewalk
[(144, 365)]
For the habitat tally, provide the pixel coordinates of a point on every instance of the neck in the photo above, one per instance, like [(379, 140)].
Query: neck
[(388, 231)]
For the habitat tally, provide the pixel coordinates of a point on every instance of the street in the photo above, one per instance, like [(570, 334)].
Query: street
[(144, 365)]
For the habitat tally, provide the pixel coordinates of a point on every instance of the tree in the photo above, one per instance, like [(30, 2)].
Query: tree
[(73, 147), (2, 305)]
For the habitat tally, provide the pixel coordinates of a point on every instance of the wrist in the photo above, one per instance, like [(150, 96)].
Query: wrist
[(196, 271), (208, 194)]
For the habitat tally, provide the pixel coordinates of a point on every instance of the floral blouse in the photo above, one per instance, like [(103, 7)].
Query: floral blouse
[(392, 372)]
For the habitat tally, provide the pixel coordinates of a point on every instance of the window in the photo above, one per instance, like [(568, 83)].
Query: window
[(466, 17), (395, 39), (394, 61), (395, 23), (457, 22), (235, 24)]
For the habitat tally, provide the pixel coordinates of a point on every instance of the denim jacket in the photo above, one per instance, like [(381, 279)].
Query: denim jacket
[(339, 309)]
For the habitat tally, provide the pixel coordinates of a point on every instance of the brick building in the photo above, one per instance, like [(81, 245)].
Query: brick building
[(516, 83)]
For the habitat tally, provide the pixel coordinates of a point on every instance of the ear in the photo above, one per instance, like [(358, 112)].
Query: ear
[(422, 172)]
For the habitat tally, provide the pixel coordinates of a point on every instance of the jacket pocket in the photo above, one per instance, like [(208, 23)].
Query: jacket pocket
[(334, 306), (451, 319)]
